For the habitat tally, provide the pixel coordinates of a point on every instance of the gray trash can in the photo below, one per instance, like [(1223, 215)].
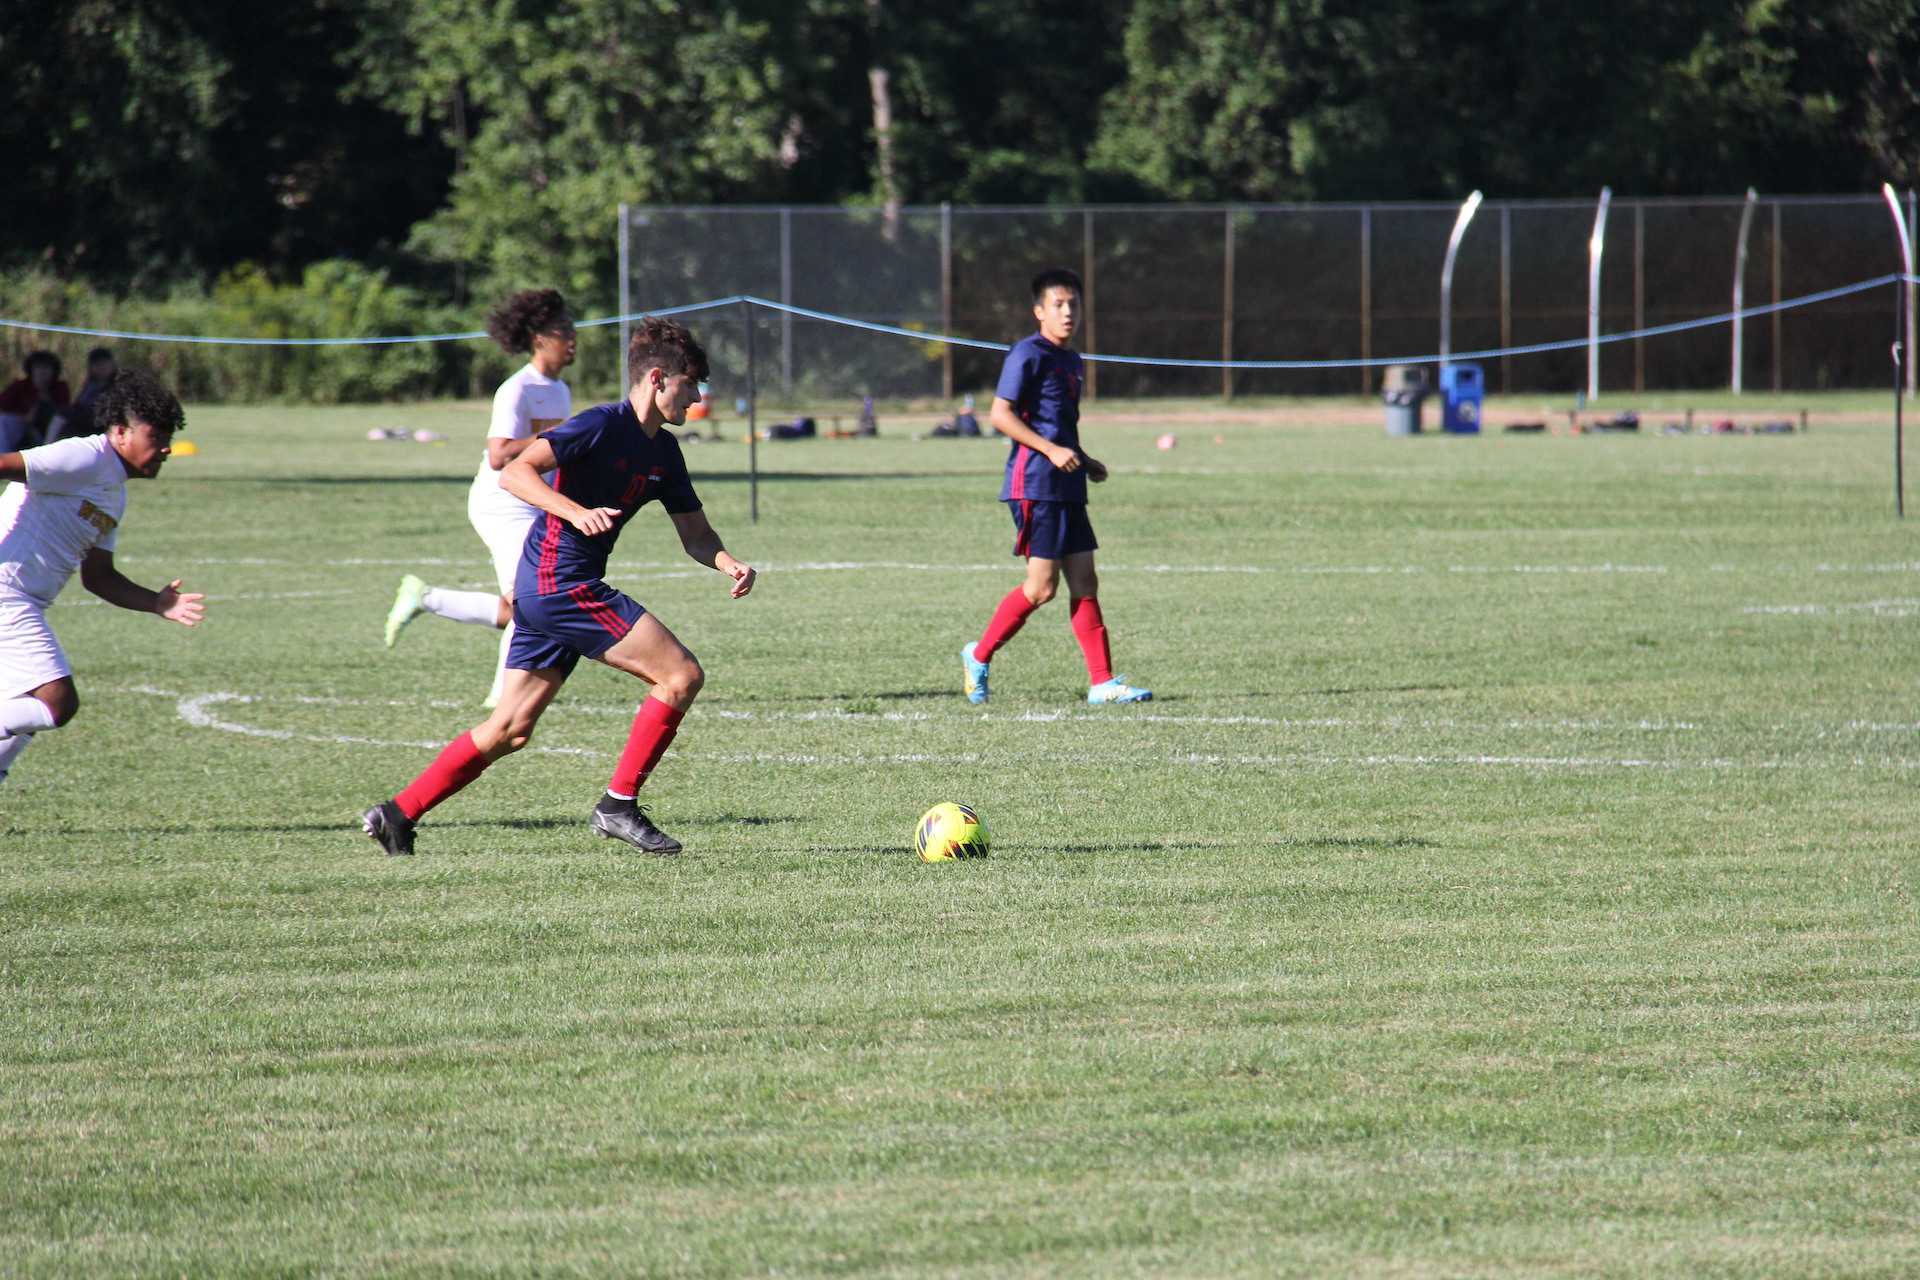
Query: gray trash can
[(1403, 390)]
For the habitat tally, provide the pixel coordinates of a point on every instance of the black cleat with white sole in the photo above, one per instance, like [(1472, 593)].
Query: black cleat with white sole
[(632, 825), (391, 829)]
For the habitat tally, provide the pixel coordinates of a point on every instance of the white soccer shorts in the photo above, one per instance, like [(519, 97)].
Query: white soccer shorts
[(506, 538), (30, 655)]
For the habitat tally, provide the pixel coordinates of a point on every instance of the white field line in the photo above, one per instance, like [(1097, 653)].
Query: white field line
[(1878, 608), (195, 710)]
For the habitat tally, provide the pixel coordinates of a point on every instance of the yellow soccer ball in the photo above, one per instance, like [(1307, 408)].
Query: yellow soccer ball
[(949, 831)]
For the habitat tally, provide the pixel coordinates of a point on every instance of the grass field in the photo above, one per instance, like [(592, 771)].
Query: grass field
[(1514, 874)]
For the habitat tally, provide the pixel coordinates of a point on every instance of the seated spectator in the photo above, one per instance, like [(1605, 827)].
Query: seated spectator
[(33, 409), (964, 423), (101, 371)]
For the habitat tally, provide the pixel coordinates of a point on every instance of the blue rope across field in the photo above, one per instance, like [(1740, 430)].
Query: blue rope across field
[(919, 335)]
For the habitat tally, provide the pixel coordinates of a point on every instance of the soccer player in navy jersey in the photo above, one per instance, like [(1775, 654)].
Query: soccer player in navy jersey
[(1037, 407), (607, 463)]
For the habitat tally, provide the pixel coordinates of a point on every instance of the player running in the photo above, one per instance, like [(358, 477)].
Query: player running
[(608, 462), (62, 512), (1037, 407), (531, 401)]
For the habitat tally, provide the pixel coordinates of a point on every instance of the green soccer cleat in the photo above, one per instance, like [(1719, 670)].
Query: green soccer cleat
[(1117, 690), (974, 676), (407, 603)]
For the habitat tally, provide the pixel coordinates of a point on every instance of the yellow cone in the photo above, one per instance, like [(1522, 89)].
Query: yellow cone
[(185, 448)]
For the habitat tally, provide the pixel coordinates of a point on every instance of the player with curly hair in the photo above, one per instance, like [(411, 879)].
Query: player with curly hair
[(533, 400), (62, 512), (607, 463)]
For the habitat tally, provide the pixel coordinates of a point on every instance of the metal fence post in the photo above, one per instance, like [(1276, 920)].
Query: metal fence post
[(1740, 292), (1226, 312), (1506, 296), (946, 298), (786, 296), (1776, 295), (1366, 298), (753, 425), (1086, 300), (1639, 293), (626, 326)]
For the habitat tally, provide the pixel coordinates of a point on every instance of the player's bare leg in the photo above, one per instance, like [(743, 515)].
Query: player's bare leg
[(47, 706), (528, 693), (654, 654)]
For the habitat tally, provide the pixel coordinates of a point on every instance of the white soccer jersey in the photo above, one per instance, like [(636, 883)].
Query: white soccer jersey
[(526, 404), (71, 502)]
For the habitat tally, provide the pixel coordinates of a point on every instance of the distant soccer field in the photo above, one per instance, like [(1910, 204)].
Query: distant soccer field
[(1514, 874)]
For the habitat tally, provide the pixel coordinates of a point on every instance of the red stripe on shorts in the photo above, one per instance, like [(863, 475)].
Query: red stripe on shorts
[(610, 622), (1025, 540)]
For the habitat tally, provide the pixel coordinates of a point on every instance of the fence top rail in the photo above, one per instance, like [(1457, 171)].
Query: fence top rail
[(1327, 206)]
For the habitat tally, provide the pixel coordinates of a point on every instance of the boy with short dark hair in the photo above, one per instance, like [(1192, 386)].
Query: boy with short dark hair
[(1037, 407), (61, 513), (607, 463)]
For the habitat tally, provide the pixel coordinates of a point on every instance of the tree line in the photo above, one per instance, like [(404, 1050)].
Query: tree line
[(464, 147)]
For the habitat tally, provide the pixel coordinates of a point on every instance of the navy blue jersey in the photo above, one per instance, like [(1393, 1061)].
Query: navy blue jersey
[(605, 460), (1042, 382)]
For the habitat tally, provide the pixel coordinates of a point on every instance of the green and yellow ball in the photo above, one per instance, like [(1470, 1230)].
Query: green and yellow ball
[(949, 831)]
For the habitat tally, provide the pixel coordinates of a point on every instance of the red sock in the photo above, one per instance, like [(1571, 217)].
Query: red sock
[(1007, 620), (653, 729), (459, 763), (1090, 629)]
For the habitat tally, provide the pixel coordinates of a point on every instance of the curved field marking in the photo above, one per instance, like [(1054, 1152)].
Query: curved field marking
[(197, 710)]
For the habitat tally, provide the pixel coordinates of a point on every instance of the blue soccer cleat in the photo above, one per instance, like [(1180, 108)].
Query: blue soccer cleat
[(975, 681), (1117, 690)]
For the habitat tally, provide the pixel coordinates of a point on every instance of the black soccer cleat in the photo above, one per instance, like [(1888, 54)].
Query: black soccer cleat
[(391, 829), (633, 826)]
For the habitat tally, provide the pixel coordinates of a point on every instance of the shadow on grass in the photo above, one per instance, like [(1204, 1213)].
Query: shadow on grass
[(352, 825), (702, 477)]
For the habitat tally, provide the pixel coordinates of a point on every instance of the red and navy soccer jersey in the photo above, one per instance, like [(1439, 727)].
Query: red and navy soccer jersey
[(1042, 382), (605, 460)]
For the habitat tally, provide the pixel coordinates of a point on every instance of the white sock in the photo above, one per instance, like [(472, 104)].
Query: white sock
[(10, 749), (24, 716), (479, 607), (500, 668)]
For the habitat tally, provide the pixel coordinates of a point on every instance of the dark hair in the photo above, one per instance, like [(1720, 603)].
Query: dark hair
[(667, 346), (136, 393), (99, 353), (1056, 278), (514, 322), (47, 358)]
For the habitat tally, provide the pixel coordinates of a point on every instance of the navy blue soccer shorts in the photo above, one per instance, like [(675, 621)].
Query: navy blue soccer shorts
[(559, 629), (1051, 530)]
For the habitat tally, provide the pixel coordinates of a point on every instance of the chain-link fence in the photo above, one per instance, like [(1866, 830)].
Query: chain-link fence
[(1298, 282)]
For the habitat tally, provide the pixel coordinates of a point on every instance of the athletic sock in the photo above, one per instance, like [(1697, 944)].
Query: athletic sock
[(611, 803), (24, 715), (479, 607), (1090, 629), (1007, 621), (653, 728), (457, 765), (10, 748), (500, 667)]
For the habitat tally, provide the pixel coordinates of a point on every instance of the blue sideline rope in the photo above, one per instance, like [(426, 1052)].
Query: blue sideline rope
[(871, 326)]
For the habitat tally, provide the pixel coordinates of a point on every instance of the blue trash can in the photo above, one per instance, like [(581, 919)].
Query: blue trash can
[(1462, 392)]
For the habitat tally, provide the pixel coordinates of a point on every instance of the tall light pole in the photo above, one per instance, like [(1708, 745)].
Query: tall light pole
[(1901, 350), (1467, 210), (1740, 290), (1595, 244)]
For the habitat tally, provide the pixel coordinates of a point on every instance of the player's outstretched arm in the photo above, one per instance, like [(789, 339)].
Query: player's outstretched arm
[(521, 478), (98, 575), (1007, 422), (703, 544)]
